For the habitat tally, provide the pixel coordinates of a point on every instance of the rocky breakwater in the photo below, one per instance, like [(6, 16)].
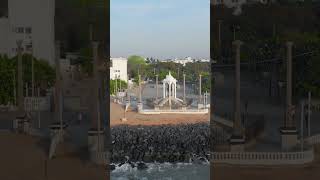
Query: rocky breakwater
[(165, 143)]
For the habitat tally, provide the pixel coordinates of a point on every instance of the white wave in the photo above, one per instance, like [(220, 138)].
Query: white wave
[(126, 167)]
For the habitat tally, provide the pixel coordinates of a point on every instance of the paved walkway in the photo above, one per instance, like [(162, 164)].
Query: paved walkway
[(25, 157)]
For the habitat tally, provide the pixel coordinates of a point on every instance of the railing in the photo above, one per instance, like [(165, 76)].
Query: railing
[(263, 158), (313, 139), (7, 108), (100, 157), (37, 103)]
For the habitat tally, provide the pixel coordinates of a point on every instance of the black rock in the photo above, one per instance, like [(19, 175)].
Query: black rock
[(112, 167), (142, 166)]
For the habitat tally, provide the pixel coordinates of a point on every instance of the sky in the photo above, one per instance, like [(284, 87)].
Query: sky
[(160, 28)]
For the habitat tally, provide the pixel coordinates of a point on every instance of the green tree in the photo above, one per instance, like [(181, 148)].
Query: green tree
[(85, 60), (113, 86), (136, 64), (44, 75)]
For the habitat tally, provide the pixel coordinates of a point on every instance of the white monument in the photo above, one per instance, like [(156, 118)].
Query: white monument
[(170, 88), (169, 103)]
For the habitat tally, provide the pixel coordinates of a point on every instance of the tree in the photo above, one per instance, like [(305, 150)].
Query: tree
[(113, 84), (44, 75), (136, 64), (85, 61)]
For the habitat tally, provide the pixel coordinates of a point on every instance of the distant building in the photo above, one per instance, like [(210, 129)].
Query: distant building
[(118, 69), (238, 3), (203, 60), (184, 61), (229, 3), (31, 21)]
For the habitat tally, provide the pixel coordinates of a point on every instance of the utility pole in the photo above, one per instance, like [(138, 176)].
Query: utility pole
[(309, 113), (219, 34), (58, 88), (116, 88), (119, 83), (20, 79), (184, 87), (32, 74), (140, 98), (39, 114), (157, 76), (14, 87)]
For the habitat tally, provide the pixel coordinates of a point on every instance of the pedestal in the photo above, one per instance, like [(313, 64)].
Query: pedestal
[(96, 150), (56, 128), (21, 124), (18, 124), (200, 106), (26, 126), (139, 107), (237, 143), (289, 137)]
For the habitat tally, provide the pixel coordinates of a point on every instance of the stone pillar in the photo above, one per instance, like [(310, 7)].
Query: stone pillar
[(58, 87), (184, 87), (289, 119), (21, 122), (96, 140), (96, 135), (57, 129), (289, 133), (237, 139)]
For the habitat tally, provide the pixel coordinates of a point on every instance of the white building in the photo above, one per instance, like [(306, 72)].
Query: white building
[(189, 60), (118, 69), (31, 21), (204, 60), (184, 61)]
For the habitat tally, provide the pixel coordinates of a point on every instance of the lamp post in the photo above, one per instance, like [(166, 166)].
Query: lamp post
[(14, 87)]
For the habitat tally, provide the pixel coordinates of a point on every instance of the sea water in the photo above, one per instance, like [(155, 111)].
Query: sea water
[(162, 171)]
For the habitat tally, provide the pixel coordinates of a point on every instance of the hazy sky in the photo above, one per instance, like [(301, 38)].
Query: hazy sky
[(160, 28)]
